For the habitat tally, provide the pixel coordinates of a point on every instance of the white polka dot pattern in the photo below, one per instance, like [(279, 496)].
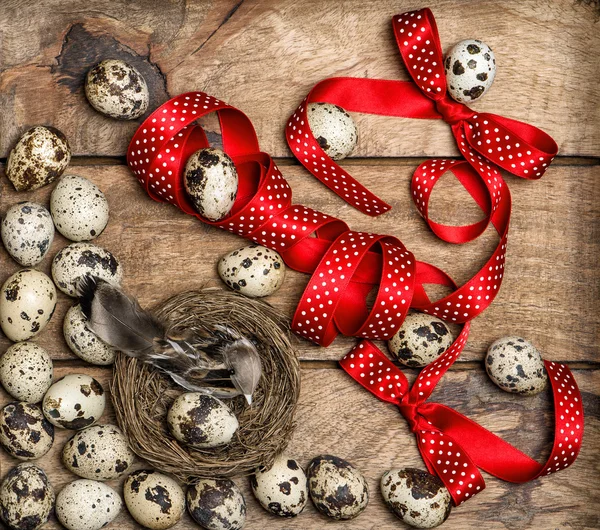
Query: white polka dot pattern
[(454, 447)]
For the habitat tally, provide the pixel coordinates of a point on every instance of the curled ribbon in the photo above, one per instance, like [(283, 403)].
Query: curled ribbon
[(347, 265)]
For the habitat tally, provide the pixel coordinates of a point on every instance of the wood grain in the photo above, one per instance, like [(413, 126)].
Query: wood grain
[(549, 292), (264, 56), (335, 416)]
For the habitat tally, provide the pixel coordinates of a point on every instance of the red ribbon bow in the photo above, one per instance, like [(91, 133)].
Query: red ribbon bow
[(453, 446)]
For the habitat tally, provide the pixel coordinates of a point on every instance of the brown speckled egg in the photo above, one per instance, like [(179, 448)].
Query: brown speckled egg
[(78, 259), (201, 421), (254, 271), (27, 303), (24, 431), (281, 489), (420, 340), (87, 505), (74, 402), (470, 70), (79, 209), (99, 452), (26, 371), (333, 128), (418, 498), (26, 497), (336, 487), (27, 233), (83, 341), (516, 366), (40, 156), (216, 504), (211, 182), (117, 89), (154, 500)]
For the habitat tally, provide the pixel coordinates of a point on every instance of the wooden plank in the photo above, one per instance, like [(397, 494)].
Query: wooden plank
[(336, 416), (549, 292), (264, 56)]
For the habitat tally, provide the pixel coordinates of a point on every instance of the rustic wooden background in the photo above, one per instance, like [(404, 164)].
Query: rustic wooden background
[(263, 57)]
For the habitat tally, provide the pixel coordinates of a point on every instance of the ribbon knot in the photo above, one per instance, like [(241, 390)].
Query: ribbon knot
[(411, 414), (451, 111)]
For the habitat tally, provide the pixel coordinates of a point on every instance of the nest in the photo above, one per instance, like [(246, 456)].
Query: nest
[(142, 396)]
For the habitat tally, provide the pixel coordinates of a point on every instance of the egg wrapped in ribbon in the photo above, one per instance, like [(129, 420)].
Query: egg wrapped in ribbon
[(470, 70), (516, 366), (418, 498), (211, 182), (333, 128)]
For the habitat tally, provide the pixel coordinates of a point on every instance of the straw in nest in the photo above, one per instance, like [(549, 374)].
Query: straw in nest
[(142, 396)]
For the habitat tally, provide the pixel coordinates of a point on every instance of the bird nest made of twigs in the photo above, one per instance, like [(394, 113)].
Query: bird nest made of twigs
[(142, 395)]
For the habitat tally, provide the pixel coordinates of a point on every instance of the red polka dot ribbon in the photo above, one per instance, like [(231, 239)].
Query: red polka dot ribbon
[(487, 141), (452, 446)]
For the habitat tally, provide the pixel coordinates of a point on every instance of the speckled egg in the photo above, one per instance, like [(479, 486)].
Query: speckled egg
[(211, 182), (282, 489), (26, 371), (99, 452), (216, 504), (333, 128), (27, 303), (83, 341), (40, 156), (79, 209), (201, 421), (254, 271), (418, 498), (154, 500), (117, 89), (77, 260), (515, 365), (470, 69), (74, 402), (27, 233), (87, 505), (420, 340), (336, 487), (26, 497), (24, 431)]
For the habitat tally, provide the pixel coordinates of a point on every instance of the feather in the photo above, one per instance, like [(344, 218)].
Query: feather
[(212, 361)]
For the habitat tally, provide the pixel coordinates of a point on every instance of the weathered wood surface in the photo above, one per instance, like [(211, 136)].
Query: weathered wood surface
[(549, 293), (265, 56), (346, 417)]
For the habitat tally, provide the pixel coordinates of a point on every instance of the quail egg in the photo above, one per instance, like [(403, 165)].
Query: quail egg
[(254, 271), (470, 70), (99, 452), (216, 504), (79, 209), (336, 487), (416, 497), (211, 182), (83, 342), (26, 497), (281, 489), (516, 366), (78, 259), (24, 431), (74, 402), (87, 505), (40, 156), (26, 371), (27, 233), (117, 89), (420, 340), (201, 421), (27, 303), (154, 500), (333, 129)]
